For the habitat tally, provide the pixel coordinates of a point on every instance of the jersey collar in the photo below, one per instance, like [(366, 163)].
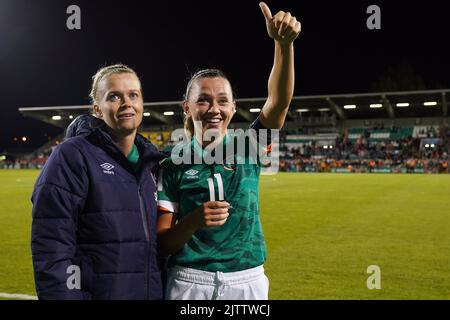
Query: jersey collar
[(202, 152)]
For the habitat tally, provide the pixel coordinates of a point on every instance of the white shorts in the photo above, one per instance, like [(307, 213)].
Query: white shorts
[(192, 284)]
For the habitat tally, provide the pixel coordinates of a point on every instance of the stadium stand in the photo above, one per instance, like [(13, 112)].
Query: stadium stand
[(372, 132)]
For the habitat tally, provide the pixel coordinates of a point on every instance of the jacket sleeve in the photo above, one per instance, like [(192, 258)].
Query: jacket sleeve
[(58, 197)]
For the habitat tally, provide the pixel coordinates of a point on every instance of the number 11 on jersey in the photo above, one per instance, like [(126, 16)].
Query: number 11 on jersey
[(212, 192)]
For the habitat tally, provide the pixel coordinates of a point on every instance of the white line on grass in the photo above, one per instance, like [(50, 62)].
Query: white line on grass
[(17, 296)]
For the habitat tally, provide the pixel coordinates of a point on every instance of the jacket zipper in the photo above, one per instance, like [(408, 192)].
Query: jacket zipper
[(147, 237), (143, 215)]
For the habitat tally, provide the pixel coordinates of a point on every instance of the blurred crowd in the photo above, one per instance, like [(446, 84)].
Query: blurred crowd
[(36, 162), (365, 155)]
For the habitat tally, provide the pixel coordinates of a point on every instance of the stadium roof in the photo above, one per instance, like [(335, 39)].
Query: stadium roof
[(427, 103)]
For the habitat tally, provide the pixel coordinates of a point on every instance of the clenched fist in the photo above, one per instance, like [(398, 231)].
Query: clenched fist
[(211, 214), (282, 27)]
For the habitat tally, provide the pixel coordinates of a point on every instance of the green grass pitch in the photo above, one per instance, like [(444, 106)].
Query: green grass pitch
[(322, 232)]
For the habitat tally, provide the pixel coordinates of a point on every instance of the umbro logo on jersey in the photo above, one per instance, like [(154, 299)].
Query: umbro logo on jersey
[(191, 172), (107, 167)]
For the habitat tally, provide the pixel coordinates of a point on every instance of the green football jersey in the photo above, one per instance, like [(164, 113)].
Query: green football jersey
[(239, 243)]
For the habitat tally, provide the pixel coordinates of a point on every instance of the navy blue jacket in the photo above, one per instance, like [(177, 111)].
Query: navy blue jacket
[(91, 210)]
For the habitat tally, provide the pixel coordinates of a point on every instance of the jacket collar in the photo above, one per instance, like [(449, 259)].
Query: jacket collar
[(95, 131), (148, 154)]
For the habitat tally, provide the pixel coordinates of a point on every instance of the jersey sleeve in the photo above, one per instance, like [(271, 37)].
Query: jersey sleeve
[(168, 194), (263, 140)]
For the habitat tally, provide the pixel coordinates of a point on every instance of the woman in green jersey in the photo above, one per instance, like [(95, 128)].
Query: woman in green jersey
[(209, 212)]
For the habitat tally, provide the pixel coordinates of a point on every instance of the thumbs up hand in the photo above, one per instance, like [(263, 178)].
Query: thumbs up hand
[(282, 27)]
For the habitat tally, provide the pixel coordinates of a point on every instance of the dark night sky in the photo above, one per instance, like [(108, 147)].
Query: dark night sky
[(42, 63)]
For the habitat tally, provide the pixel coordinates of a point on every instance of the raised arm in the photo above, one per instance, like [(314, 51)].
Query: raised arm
[(283, 28)]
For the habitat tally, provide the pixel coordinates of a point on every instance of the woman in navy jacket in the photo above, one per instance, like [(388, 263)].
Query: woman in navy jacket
[(94, 204)]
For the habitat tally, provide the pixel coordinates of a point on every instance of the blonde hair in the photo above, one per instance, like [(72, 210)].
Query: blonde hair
[(105, 72)]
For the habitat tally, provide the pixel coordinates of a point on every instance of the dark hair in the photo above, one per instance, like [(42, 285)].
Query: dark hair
[(202, 74)]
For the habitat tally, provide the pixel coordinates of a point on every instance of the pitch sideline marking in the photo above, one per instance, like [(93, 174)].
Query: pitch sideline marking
[(17, 296)]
